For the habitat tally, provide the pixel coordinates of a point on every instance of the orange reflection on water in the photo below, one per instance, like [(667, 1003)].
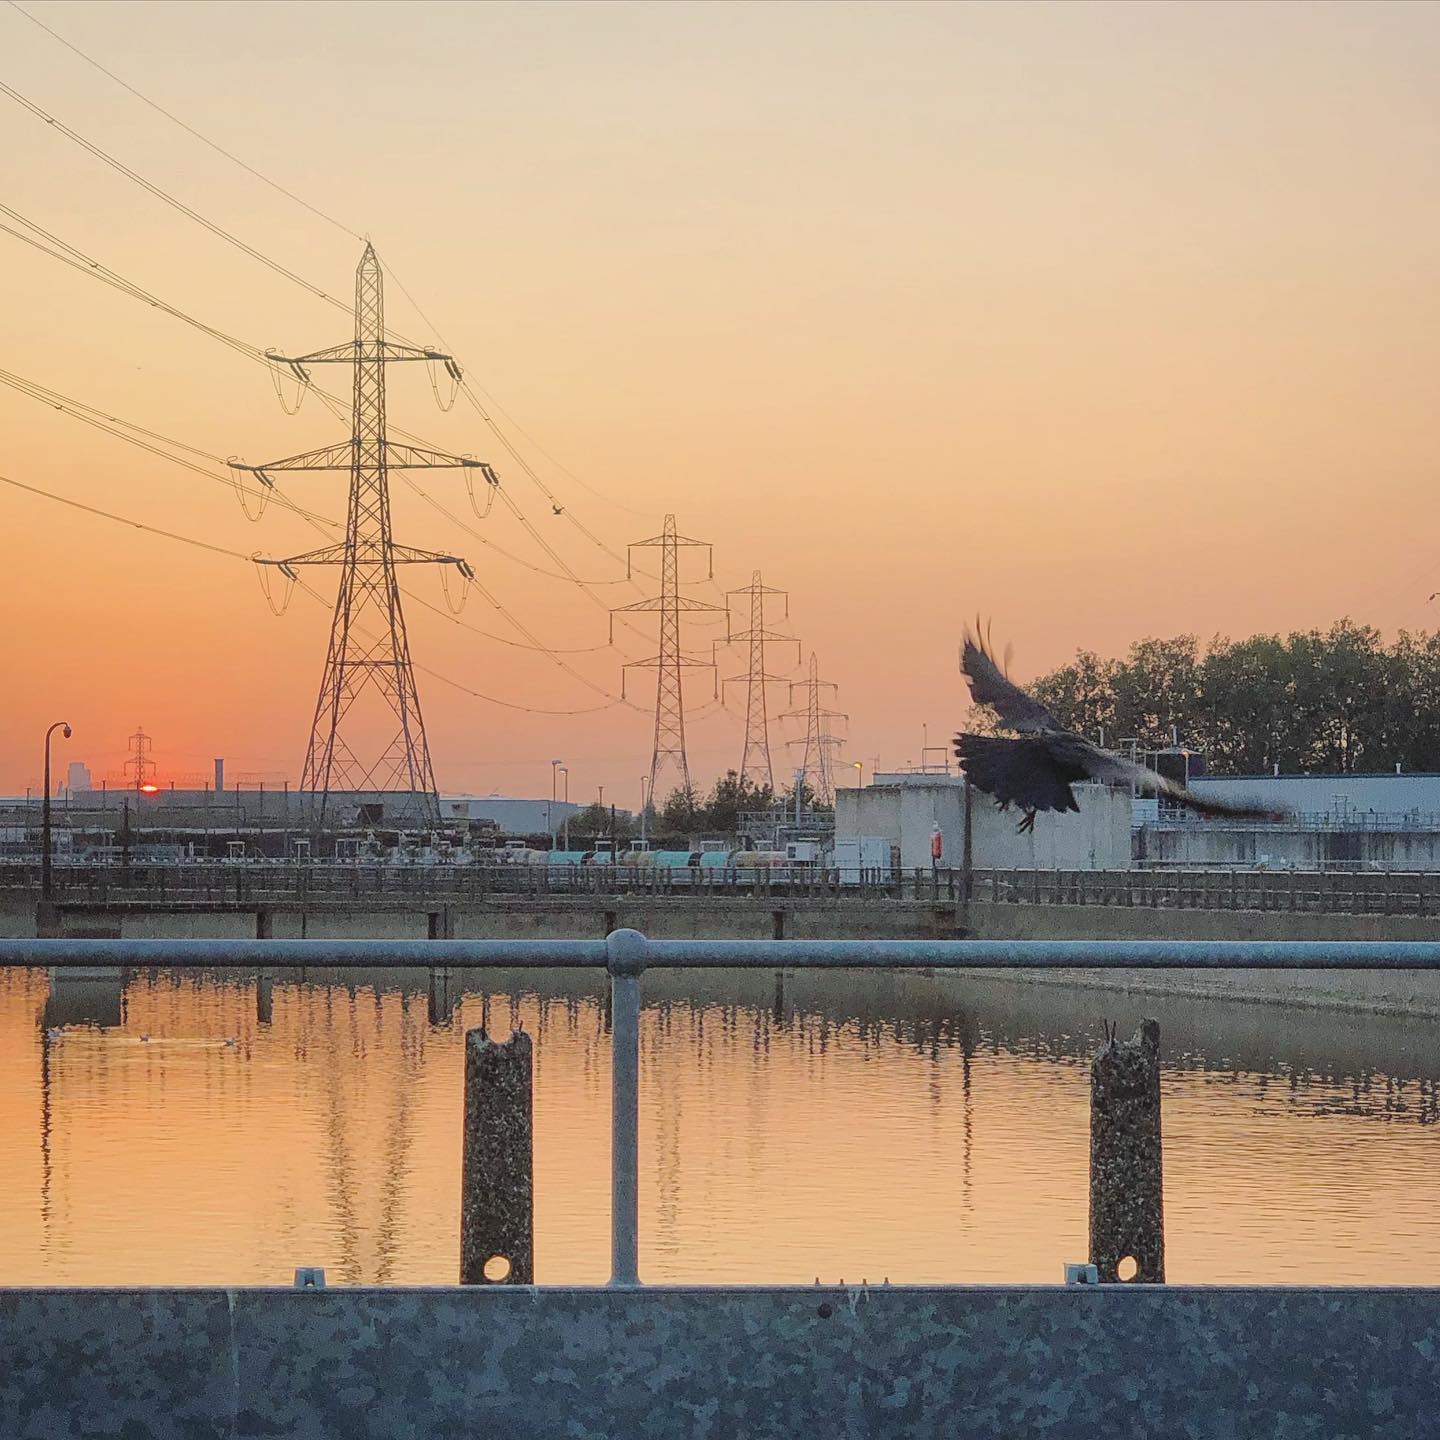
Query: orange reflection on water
[(855, 1127)]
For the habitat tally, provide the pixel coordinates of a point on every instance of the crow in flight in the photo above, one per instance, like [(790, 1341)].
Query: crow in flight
[(1036, 770)]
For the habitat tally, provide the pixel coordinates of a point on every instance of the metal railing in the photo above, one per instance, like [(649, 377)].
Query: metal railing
[(1336, 890), (627, 954), (1311, 892), (220, 882)]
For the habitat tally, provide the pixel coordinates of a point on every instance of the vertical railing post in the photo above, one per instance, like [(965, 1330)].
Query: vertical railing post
[(625, 952)]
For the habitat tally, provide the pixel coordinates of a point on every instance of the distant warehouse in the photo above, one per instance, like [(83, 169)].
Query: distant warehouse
[(1370, 822)]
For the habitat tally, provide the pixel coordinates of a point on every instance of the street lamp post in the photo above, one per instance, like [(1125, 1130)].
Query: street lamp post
[(45, 883), (859, 766), (565, 817), (550, 813)]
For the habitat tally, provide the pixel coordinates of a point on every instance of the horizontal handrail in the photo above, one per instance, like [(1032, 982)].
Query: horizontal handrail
[(730, 954)]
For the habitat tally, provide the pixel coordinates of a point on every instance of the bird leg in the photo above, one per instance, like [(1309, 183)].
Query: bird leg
[(1027, 824)]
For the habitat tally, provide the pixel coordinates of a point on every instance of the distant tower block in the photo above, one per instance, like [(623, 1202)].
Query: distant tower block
[(669, 752), (755, 763), (818, 765), (369, 651)]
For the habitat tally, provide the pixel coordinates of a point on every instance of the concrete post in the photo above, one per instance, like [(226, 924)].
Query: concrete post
[(1127, 1216), (497, 1181)]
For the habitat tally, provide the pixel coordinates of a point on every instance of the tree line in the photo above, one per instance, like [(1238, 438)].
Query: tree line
[(691, 811), (1340, 700)]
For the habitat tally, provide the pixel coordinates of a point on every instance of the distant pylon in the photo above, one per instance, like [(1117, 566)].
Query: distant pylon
[(755, 762), (140, 761), (361, 659), (820, 745), (669, 751)]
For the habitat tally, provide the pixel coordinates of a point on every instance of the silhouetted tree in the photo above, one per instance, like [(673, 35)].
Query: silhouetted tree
[(1337, 700)]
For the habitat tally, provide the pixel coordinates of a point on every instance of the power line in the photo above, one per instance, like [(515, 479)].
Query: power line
[(564, 470), (160, 194), (119, 282), (78, 261), (79, 410), (123, 520), (86, 264), (112, 425), (249, 559), (221, 232), (176, 120)]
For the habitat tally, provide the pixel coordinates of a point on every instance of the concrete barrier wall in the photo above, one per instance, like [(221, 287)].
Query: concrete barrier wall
[(904, 1364)]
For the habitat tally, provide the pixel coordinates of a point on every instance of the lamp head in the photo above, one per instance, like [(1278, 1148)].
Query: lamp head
[(67, 732)]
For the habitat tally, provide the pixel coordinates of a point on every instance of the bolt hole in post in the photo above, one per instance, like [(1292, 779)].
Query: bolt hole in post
[(1127, 1269)]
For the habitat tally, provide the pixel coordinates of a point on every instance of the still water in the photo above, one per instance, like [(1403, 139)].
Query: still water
[(194, 1129)]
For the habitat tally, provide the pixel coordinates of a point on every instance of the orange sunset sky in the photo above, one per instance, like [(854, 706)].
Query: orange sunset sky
[(1107, 320)]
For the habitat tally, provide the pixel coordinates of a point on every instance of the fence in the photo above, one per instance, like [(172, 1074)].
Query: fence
[(258, 884), (1316, 892)]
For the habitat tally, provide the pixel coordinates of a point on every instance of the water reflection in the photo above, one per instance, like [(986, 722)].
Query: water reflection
[(174, 1127)]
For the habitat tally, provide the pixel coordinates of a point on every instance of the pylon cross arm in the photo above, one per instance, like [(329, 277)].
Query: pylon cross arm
[(409, 555), (400, 554), (417, 457), (346, 351), (658, 540), (655, 662), (340, 456)]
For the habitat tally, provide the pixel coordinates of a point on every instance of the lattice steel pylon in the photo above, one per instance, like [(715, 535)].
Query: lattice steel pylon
[(755, 764), (140, 761), (818, 774), (672, 661), (361, 659)]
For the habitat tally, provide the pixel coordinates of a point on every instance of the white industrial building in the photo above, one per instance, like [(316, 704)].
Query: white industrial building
[(906, 809), (1388, 821)]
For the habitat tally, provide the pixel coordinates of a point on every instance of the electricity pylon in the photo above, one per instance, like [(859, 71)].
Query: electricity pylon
[(140, 761), (672, 661), (755, 758), (818, 776), (359, 658)]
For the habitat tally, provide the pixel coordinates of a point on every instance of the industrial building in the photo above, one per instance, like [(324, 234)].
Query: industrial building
[(170, 823), (1389, 821), (908, 808)]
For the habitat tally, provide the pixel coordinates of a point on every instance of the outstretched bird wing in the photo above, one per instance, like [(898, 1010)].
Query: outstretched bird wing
[(990, 686), (1105, 765), (1036, 772)]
